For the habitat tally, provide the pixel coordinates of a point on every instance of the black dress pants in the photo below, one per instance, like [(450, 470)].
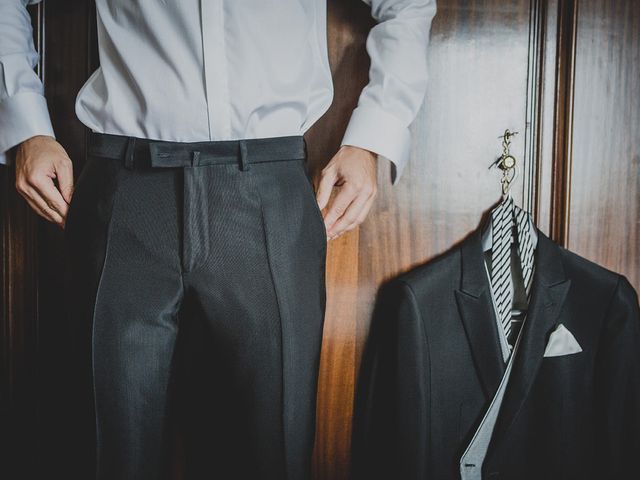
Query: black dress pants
[(233, 228)]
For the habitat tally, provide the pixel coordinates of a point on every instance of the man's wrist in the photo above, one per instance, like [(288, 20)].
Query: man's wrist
[(37, 138), (372, 154)]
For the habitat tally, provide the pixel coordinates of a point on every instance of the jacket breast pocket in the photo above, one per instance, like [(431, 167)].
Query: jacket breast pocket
[(564, 376)]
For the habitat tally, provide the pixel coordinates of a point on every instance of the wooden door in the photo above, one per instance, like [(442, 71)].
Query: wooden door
[(565, 74)]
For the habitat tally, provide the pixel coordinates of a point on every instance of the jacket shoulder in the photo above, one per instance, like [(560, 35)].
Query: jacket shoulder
[(441, 272), (589, 272)]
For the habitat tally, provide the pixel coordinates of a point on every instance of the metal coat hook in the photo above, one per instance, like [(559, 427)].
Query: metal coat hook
[(507, 163)]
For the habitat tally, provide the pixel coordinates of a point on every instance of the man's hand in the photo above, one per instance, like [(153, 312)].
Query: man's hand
[(40, 160), (354, 170)]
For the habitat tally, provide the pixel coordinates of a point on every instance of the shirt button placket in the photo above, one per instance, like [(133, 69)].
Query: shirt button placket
[(215, 68)]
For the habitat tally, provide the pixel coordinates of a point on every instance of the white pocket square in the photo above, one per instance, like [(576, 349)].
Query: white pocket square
[(561, 342)]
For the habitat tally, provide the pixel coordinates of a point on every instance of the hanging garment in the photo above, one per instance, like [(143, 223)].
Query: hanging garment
[(433, 365)]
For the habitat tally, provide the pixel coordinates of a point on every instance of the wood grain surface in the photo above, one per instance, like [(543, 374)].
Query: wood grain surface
[(604, 197)]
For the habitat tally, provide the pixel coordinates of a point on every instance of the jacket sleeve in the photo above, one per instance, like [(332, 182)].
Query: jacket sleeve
[(390, 414), (397, 46), (618, 385), (23, 109)]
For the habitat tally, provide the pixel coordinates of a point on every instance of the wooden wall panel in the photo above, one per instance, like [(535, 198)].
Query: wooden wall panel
[(604, 200)]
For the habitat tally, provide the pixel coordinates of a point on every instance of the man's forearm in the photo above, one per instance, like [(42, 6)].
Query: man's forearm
[(23, 108), (388, 104)]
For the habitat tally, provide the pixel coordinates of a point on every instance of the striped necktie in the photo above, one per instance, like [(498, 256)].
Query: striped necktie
[(503, 220)]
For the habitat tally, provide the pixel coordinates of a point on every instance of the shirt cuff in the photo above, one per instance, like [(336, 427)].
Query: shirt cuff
[(374, 129), (22, 116)]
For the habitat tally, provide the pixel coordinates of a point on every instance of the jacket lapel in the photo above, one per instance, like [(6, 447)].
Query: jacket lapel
[(549, 292), (478, 316)]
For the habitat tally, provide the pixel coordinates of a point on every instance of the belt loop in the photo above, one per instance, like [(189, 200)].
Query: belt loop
[(129, 153), (244, 164), (195, 158), (305, 151)]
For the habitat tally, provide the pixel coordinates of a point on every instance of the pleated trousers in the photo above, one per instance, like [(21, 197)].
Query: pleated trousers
[(226, 234)]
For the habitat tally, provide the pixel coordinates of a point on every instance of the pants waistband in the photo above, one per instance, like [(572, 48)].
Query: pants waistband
[(141, 152)]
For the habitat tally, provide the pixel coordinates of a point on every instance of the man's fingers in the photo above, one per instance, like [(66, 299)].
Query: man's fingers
[(354, 214), (325, 187), (50, 194), (364, 212), (44, 176), (347, 194), (39, 204), (64, 174), (36, 208), (353, 170)]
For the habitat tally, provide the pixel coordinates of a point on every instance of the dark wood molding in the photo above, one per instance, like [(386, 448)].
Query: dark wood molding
[(535, 107), (563, 120)]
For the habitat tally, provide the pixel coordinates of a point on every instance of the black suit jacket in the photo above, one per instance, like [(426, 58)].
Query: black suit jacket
[(433, 364)]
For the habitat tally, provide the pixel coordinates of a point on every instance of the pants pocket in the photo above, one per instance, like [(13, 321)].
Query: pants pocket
[(90, 205), (78, 188), (310, 195)]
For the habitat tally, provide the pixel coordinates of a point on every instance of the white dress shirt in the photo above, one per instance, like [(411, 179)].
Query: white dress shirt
[(197, 70)]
